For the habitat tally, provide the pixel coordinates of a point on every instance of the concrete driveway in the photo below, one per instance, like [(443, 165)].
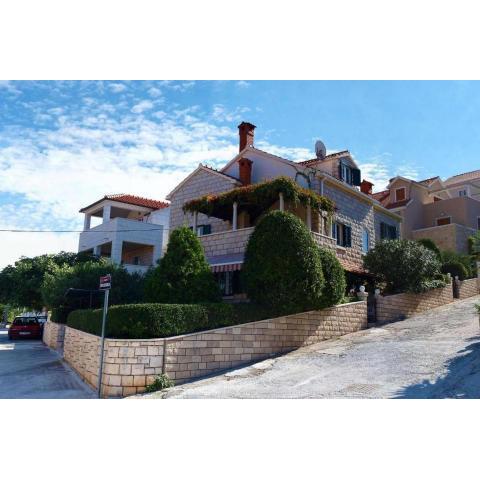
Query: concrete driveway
[(29, 369), (432, 355)]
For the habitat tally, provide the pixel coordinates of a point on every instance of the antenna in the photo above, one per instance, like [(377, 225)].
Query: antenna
[(320, 150)]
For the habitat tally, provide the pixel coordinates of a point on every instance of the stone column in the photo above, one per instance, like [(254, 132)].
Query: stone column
[(309, 217), (86, 222), (235, 216), (282, 202), (362, 294), (106, 213)]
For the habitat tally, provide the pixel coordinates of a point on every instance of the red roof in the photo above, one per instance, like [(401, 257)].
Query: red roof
[(380, 196), (327, 157), (131, 200), (399, 204)]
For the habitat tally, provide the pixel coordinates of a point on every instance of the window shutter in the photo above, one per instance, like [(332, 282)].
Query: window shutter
[(356, 177), (334, 229), (392, 232), (340, 170), (383, 230), (207, 229), (347, 236)]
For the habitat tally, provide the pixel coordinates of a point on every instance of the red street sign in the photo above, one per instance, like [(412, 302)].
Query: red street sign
[(106, 282)]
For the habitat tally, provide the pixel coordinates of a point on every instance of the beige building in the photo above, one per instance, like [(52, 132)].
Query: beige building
[(358, 221), (447, 212)]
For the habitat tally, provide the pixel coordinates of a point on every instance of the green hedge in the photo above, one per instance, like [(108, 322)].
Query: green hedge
[(155, 320), (60, 314)]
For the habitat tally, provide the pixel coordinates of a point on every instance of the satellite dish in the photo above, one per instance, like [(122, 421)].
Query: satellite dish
[(320, 150)]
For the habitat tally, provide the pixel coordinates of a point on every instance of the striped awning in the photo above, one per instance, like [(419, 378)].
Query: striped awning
[(226, 263)]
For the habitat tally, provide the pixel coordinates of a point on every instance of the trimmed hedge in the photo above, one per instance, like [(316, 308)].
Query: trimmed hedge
[(455, 269), (156, 320), (334, 276), (60, 314)]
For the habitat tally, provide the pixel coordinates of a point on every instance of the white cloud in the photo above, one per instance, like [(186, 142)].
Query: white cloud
[(243, 84), (142, 106), (154, 92), (220, 113), (10, 87), (117, 87)]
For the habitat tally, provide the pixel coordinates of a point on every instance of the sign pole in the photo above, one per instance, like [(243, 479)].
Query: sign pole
[(105, 285)]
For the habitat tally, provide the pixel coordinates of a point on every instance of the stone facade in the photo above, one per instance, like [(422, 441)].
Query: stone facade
[(403, 305), (201, 183), (130, 365), (469, 288), (222, 243), (53, 335)]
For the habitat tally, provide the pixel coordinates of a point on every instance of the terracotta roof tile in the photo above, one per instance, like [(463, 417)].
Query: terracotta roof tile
[(131, 200), (399, 204), (327, 157)]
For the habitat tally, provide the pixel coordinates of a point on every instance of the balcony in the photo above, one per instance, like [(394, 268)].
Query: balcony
[(136, 245)]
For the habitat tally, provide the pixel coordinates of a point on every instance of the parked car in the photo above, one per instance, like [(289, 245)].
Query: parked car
[(25, 327)]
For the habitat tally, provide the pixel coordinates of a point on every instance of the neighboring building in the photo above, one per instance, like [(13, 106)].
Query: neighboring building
[(133, 231), (359, 219), (447, 212)]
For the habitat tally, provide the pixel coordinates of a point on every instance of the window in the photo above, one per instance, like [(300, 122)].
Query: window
[(203, 229), (365, 241), (229, 283), (443, 221), (478, 223), (400, 194), (136, 260), (388, 232), (349, 174), (462, 193), (342, 233)]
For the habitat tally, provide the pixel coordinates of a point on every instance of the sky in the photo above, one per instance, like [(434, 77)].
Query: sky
[(65, 144)]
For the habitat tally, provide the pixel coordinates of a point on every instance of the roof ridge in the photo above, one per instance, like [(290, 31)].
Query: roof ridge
[(218, 171)]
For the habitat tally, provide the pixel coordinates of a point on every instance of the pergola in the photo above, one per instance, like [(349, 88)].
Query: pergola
[(256, 199)]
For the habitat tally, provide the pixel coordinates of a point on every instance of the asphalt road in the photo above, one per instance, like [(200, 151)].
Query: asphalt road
[(432, 355), (29, 369)]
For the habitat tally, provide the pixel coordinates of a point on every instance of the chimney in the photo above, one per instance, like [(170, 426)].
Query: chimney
[(366, 187), (246, 134), (245, 169)]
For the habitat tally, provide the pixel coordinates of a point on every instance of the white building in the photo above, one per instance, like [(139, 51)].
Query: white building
[(133, 231)]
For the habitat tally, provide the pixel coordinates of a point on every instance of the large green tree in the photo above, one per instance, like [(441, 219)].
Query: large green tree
[(20, 283), (183, 274), (404, 266), (282, 269), (126, 287)]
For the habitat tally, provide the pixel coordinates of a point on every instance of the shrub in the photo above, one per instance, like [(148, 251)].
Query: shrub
[(160, 383), (282, 269), (183, 274), (126, 287), (455, 269), (60, 314), (404, 266), (431, 245), (451, 257), (334, 276), (153, 320)]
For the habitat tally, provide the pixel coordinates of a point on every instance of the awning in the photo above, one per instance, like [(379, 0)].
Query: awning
[(226, 263)]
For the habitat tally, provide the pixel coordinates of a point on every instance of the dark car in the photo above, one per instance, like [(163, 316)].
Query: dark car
[(25, 327)]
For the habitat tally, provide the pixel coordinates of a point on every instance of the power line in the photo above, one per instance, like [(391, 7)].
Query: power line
[(81, 231)]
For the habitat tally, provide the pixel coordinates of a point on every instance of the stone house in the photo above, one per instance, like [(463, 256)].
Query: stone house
[(445, 211), (358, 222), (131, 231)]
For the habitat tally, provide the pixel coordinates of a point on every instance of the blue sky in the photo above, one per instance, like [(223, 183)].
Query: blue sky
[(65, 144)]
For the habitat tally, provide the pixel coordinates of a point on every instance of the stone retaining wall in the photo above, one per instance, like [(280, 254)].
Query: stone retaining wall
[(403, 305), (469, 288), (130, 365), (53, 335)]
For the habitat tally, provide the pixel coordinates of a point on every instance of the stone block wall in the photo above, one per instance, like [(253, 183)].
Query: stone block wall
[(403, 305), (53, 335), (222, 243), (131, 365), (204, 353), (469, 288)]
